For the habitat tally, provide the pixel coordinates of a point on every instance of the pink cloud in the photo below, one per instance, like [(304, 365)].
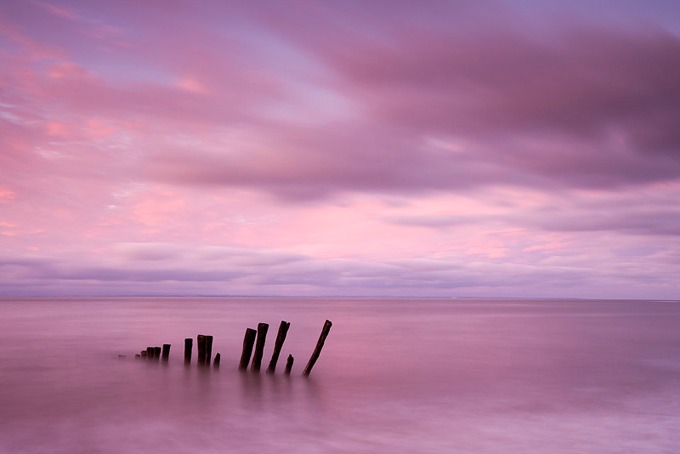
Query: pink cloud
[(6, 195)]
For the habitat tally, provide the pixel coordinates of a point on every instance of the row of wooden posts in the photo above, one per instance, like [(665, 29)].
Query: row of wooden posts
[(252, 338)]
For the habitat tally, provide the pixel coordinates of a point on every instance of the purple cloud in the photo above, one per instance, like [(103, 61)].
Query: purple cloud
[(585, 108)]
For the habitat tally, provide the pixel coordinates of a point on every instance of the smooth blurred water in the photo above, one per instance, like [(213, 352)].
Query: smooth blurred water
[(397, 376)]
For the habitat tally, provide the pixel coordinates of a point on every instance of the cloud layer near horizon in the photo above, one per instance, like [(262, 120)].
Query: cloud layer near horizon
[(515, 149)]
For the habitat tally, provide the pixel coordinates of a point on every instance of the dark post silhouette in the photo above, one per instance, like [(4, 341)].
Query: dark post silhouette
[(156, 353), (166, 352), (216, 362), (280, 339), (289, 365), (188, 345), (201, 342), (208, 349), (149, 353), (319, 345), (248, 342), (259, 346)]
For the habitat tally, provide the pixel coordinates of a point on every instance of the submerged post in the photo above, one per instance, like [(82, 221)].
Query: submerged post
[(216, 362), (289, 365), (280, 339), (188, 345), (319, 345), (248, 342), (200, 345), (166, 352), (156, 353), (259, 346)]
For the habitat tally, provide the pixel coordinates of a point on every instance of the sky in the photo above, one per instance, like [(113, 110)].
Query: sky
[(340, 148)]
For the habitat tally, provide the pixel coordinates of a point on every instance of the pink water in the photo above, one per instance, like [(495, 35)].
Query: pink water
[(395, 376)]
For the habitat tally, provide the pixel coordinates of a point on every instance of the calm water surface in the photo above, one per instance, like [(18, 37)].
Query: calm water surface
[(395, 376)]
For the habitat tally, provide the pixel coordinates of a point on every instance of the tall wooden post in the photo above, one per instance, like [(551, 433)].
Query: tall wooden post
[(201, 345), (248, 342), (319, 345), (188, 345), (216, 363), (208, 349), (280, 339), (259, 346)]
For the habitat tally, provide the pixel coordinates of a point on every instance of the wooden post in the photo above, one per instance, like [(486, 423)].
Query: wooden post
[(188, 345), (149, 353), (208, 349), (248, 342), (201, 344), (156, 353), (289, 365), (319, 345), (280, 339), (166, 352), (259, 346), (216, 363)]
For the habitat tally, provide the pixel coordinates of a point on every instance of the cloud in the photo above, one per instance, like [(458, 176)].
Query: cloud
[(585, 87), (652, 213), (433, 221), (410, 109), (583, 109), (662, 222), (163, 269)]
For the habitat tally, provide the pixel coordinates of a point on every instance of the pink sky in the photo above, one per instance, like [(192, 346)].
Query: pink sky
[(302, 148)]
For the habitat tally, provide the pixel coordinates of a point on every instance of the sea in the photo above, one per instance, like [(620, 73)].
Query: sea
[(454, 375)]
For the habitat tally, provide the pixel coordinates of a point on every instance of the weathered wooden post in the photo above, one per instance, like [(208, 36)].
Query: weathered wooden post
[(216, 362), (208, 349), (319, 345), (259, 346), (200, 345), (149, 353), (188, 345), (156, 353), (166, 352), (280, 339), (289, 365), (248, 342)]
